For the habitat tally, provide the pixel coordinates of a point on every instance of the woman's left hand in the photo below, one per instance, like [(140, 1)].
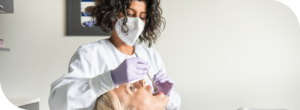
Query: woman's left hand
[(163, 82)]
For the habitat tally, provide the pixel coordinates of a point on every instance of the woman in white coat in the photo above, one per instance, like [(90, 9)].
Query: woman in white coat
[(118, 66)]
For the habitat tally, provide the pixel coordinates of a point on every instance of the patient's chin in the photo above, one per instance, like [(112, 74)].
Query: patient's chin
[(166, 100), (163, 101)]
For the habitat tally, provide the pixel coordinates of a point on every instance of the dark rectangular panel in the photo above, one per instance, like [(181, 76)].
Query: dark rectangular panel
[(74, 28), (8, 5)]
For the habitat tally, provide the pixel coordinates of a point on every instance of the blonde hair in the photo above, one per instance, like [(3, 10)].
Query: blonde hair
[(107, 102)]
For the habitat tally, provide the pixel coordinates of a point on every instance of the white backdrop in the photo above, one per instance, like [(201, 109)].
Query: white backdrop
[(222, 54)]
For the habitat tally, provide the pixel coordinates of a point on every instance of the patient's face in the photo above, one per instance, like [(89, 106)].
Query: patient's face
[(139, 96)]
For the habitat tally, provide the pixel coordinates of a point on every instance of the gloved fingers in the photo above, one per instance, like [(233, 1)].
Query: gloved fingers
[(167, 83), (159, 74), (170, 81), (161, 77), (158, 90), (163, 80), (141, 60), (141, 72), (142, 66), (155, 78)]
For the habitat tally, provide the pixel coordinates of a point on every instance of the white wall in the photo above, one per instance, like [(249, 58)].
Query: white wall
[(222, 54)]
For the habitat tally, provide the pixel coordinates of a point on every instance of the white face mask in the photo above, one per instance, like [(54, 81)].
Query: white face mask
[(135, 28)]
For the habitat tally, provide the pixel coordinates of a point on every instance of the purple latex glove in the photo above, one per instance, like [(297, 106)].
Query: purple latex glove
[(129, 70), (163, 82)]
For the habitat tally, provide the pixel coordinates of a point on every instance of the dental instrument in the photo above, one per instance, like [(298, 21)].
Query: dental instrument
[(155, 89)]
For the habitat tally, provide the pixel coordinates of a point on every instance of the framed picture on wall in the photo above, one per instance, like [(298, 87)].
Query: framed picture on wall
[(79, 21), (6, 6)]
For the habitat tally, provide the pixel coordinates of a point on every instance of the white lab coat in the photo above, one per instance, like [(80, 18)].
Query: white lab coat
[(89, 76)]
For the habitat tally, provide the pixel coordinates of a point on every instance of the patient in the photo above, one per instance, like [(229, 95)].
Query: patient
[(132, 96)]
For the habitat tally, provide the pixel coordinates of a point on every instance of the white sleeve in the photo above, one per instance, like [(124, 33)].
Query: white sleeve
[(82, 85), (174, 98)]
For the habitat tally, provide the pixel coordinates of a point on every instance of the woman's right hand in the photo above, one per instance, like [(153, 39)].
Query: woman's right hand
[(129, 70)]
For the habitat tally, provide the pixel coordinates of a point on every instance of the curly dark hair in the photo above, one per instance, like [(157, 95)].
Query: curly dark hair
[(105, 11)]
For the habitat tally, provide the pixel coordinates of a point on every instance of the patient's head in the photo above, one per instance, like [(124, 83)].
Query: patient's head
[(132, 96)]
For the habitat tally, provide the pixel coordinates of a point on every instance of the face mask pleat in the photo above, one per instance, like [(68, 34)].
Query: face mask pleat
[(135, 27)]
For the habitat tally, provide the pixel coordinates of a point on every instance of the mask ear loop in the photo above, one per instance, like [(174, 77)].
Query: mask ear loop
[(120, 22), (118, 19)]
